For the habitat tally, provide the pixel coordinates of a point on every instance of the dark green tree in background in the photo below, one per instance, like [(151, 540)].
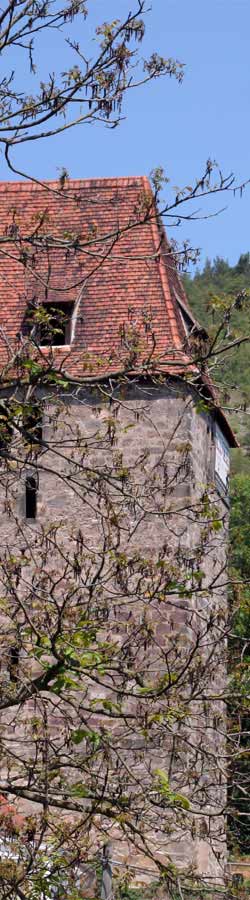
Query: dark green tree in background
[(218, 289), (239, 645)]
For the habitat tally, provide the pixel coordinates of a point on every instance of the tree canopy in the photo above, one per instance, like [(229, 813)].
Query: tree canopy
[(211, 292)]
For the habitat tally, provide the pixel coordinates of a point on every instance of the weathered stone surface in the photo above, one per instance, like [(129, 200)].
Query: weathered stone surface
[(179, 464)]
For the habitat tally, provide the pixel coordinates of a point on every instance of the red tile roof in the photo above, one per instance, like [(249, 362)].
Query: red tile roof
[(128, 293), (120, 274)]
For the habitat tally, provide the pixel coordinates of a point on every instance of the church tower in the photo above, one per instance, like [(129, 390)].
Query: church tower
[(114, 517)]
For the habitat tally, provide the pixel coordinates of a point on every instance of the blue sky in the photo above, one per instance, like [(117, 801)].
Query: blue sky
[(170, 125)]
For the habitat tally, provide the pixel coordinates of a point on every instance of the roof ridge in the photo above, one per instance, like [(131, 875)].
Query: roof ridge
[(125, 180)]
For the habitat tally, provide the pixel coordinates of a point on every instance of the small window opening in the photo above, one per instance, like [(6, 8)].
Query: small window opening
[(33, 424), (30, 497), (14, 653), (5, 428), (56, 327)]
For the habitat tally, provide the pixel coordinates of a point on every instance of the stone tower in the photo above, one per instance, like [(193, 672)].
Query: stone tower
[(117, 445)]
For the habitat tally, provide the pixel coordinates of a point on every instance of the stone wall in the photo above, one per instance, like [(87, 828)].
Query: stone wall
[(165, 446)]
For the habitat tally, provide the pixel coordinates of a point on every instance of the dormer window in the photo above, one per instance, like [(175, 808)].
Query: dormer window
[(49, 324), (54, 327)]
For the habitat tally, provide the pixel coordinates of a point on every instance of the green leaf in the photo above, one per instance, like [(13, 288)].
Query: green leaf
[(78, 790), (81, 733)]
